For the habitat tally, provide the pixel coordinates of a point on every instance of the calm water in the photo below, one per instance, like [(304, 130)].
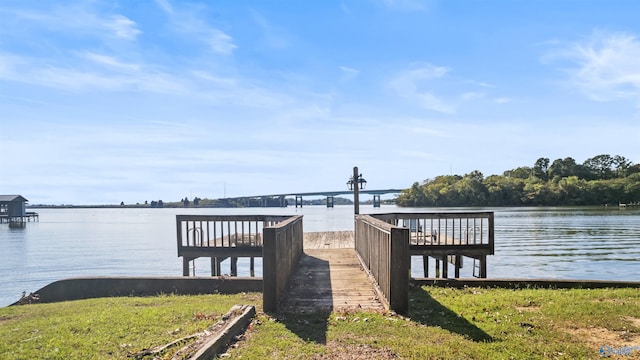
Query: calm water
[(564, 243)]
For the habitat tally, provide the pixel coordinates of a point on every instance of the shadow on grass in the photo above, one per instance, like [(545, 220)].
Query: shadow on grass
[(426, 310), (306, 307), (310, 327)]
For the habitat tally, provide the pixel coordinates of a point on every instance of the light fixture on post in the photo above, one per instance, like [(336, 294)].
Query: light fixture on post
[(356, 182)]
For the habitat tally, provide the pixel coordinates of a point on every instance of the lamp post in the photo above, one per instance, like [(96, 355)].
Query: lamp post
[(356, 183)]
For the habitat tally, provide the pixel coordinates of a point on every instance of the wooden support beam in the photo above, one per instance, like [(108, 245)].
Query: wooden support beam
[(445, 267), (425, 265), (185, 265), (234, 266)]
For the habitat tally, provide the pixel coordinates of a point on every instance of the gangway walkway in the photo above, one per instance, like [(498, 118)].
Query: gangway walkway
[(330, 277)]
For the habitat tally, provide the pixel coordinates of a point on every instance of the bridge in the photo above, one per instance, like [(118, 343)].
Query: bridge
[(281, 199)]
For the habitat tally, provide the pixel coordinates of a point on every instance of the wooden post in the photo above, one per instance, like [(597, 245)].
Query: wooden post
[(185, 266), (399, 271), (483, 266), (252, 267), (425, 265), (269, 271), (234, 266), (457, 265), (445, 267)]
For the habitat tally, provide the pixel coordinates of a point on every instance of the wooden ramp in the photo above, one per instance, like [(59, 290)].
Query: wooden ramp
[(330, 277)]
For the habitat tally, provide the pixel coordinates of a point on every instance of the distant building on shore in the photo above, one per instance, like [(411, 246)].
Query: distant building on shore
[(13, 209), (13, 205)]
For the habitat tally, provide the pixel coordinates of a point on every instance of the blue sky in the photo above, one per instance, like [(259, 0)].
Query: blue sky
[(108, 101)]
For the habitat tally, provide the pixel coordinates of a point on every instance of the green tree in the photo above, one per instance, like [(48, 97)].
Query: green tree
[(541, 169)]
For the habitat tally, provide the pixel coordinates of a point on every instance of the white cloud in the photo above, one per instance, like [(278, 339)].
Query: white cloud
[(78, 19), (410, 84), (502, 100), (122, 27), (165, 5), (604, 67), (110, 62), (220, 42), (189, 21), (472, 95), (349, 73), (273, 36)]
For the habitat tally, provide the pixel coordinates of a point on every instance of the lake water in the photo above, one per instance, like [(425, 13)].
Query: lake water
[(562, 243)]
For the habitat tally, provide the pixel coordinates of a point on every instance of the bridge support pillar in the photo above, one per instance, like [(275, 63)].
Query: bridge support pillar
[(376, 200), (283, 201), (298, 200), (330, 201)]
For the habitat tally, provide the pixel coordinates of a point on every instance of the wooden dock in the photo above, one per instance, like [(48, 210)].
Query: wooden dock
[(330, 277), (334, 271)]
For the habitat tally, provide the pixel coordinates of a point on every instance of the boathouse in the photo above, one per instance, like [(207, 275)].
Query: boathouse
[(13, 208)]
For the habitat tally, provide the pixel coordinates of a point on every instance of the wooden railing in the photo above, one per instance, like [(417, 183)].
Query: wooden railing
[(471, 230), (447, 237), (383, 249), (196, 233), (282, 249), (220, 237)]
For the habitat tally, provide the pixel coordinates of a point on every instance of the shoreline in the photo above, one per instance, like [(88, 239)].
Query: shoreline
[(105, 286)]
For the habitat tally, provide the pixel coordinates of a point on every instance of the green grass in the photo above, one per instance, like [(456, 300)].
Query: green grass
[(443, 323), (470, 323), (108, 327)]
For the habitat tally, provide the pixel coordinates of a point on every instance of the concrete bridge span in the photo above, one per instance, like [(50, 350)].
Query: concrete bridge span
[(265, 200)]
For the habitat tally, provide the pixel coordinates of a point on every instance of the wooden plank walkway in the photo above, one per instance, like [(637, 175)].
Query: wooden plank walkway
[(330, 277)]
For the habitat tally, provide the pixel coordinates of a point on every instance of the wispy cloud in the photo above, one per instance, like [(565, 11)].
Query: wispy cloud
[(78, 19), (90, 71), (273, 36), (604, 67), (122, 27), (411, 85), (110, 62), (189, 21), (349, 73), (165, 6)]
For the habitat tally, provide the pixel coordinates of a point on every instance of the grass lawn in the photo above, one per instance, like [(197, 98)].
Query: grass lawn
[(446, 323), (108, 328), (443, 323)]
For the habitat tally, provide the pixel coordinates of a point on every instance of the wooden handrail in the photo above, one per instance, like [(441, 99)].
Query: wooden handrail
[(281, 252), (384, 251)]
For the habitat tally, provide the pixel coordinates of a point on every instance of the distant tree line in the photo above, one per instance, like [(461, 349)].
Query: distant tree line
[(602, 179)]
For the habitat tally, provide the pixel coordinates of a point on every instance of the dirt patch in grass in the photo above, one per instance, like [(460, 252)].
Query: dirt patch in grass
[(527, 308), (634, 321), (597, 337), (337, 350)]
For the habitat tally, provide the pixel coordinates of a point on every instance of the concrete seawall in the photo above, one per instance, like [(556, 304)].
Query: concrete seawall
[(525, 283), (95, 287)]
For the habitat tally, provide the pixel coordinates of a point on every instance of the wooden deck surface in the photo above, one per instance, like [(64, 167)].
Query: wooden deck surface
[(330, 277), (329, 240)]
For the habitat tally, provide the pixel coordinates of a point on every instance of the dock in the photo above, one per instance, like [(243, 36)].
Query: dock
[(365, 269), (21, 219)]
